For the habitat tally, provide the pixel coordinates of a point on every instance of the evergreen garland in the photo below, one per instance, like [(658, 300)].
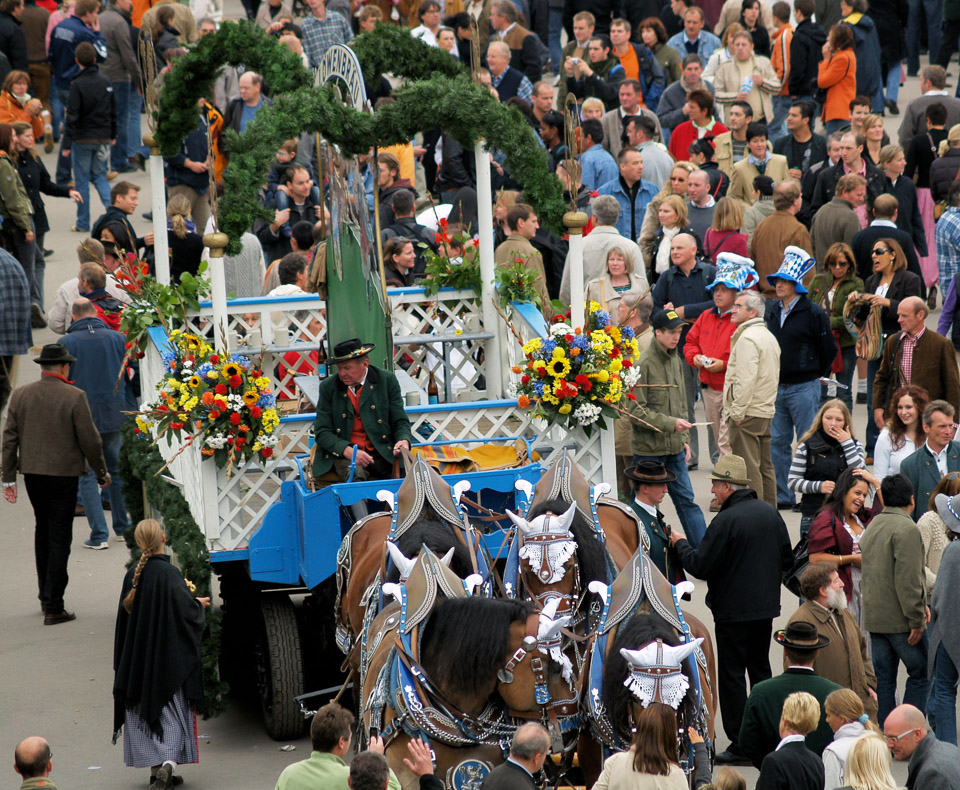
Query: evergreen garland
[(139, 463), (443, 95)]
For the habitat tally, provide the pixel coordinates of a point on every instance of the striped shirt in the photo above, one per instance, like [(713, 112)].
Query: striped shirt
[(947, 235), (909, 343), (852, 451)]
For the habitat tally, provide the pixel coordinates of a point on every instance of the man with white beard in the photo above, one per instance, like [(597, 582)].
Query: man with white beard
[(845, 660)]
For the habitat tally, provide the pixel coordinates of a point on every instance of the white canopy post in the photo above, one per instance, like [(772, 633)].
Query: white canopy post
[(491, 321), (575, 220), (158, 195), (218, 288)]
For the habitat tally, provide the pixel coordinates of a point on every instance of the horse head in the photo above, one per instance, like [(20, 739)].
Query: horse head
[(547, 555), (656, 672), (424, 488)]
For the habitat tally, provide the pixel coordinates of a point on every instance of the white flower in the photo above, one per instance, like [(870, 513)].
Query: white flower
[(630, 377), (216, 442), (561, 329), (587, 413)]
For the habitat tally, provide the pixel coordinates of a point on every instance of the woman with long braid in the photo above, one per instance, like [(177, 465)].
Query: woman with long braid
[(157, 662)]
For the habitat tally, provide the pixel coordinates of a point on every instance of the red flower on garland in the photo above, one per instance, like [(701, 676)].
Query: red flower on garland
[(220, 389), (256, 412), (584, 383), (524, 380), (235, 418), (240, 441), (214, 360), (176, 425), (235, 381)]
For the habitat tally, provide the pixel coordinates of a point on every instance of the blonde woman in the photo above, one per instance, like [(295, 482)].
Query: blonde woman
[(874, 138), (157, 677), (792, 766), (823, 452), (944, 169), (848, 720), (620, 281), (592, 109), (506, 200), (186, 245), (676, 185), (724, 234), (868, 765), (674, 219)]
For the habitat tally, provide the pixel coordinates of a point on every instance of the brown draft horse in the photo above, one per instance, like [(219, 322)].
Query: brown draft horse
[(426, 514), (458, 685)]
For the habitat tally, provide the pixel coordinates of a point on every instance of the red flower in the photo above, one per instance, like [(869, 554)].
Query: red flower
[(257, 374), (176, 425), (476, 243), (443, 223), (241, 441), (140, 355), (266, 452), (214, 415), (130, 257), (631, 396), (235, 381), (128, 345), (162, 407), (255, 412), (214, 359), (542, 372), (136, 430), (594, 193), (627, 363), (615, 352), (235, 418), (437, 238), (568, 338), (524, 380), (558, 319), (220, 389)]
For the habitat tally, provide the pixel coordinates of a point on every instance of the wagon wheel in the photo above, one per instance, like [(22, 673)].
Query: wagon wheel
[(279, 668)]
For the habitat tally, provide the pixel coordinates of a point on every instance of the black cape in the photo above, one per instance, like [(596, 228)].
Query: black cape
[(156, 648)]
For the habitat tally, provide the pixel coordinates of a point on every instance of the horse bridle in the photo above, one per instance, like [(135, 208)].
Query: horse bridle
[(568, 601)]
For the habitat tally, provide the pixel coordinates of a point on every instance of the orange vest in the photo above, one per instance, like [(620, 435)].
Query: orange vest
[(358, 436)]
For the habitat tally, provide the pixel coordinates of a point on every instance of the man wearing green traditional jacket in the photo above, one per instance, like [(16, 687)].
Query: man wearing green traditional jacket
[(660, 434), (650, 487), (359, 407)]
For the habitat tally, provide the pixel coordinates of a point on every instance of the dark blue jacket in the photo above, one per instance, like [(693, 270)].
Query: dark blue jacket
[(690, 292), (99, 351), (807, 345), (63, 44), (867, 49), (194, 148)]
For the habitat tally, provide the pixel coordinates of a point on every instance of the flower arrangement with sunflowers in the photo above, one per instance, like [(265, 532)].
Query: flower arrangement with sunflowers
[(576, 376), (223, 402)]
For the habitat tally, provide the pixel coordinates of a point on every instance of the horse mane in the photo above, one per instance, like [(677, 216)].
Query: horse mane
[(636, 632), (591, 552), (439, 537), (466, 640)]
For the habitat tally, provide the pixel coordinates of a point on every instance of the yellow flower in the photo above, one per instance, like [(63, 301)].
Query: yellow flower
[(213, 374), (602, 376), (614, 333), (593, 307), (616, 366), (257, 447), (565, 409), (194, 381), (549, 397), (539, 364), (231, 369), (250, 397), (192, 341), (531, 345), (558, 367), (263, 383)]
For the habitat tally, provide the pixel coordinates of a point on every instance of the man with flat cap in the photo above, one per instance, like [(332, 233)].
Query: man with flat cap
[(50, 437), (650, 480), (361, 407), (741, 558), (32, 760), (759, 732)]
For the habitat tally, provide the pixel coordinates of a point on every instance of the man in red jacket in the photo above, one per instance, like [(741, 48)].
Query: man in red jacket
[(708, 341)]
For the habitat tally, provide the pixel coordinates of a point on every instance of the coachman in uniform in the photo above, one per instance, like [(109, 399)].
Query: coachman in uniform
[(361, 406)]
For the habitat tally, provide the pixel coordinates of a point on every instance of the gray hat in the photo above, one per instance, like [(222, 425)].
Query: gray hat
[(949, 509), (731, 469)]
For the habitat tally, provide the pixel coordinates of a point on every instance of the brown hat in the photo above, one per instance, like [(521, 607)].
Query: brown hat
[(54, 354), (650, 472), (731, 469), (801, 636)]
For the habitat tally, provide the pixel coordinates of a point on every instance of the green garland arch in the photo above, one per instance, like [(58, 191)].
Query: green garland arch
[(140, 462), (441, 94)]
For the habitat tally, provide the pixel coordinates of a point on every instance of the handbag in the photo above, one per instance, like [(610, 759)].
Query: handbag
[(801, 559), (837, 366), (869, 332)]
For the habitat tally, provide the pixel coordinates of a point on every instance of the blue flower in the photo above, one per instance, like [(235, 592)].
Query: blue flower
[(240, 360), (267, 401), (538, 389), (581, 341), (204, 369), (168, 357), (603, 318), (628, 332), (548, 346)]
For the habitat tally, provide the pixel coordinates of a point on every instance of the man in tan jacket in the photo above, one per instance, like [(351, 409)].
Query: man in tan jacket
[(777, 232), (750, 392), (845, 660), (757, 161), (747, 77), (523, 225), (50, 437)]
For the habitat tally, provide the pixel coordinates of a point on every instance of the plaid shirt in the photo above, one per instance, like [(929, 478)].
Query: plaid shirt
[(16, 336), (906, 358), (947, 235), (321, 34), (525, 91)]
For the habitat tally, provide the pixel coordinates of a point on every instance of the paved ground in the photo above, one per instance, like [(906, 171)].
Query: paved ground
[(57, 681)]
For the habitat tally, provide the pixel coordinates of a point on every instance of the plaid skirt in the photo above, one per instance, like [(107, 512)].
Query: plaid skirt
[(144, 749)]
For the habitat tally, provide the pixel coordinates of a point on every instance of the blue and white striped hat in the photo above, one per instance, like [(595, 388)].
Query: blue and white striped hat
[(949, 509), (735, 272), (797, 262)]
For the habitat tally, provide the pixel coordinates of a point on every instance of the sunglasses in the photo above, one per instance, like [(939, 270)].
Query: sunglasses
[(839, 263), (880, 251)]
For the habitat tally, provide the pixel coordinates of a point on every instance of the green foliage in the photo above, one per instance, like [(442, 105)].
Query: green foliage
[(239, 44), (441, 95), (442, 272), (140, 461), (517, 283)]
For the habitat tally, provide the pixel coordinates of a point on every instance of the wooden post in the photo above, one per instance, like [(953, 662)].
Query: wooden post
[(218, 288), (158, 194), (491, 322)]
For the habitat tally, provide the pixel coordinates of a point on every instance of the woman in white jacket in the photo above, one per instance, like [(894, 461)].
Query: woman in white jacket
[(848, 721)]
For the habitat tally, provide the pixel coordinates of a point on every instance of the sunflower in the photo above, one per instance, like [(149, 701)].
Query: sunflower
[(231, 369), (558, 367), (194, 381), (250, 397), (192, 341)]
